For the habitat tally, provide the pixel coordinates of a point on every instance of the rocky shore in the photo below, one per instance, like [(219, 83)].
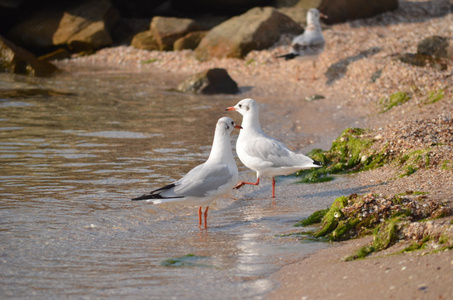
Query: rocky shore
[(360, 82)]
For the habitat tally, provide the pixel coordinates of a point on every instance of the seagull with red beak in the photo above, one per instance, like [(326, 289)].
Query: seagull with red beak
[(206, 182), (261, 153)]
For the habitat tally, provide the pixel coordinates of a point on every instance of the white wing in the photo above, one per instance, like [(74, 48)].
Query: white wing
[(203, 181), (271, 153)]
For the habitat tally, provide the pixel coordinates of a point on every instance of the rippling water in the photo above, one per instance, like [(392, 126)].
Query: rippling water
[(75, 149)]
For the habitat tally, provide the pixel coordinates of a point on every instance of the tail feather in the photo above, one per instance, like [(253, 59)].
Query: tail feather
[(288, 56), (156, 194), (317, 163)]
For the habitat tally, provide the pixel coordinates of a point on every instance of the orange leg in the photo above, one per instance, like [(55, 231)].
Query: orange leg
[(273, 187), (206, 218), (240, 184), (200, 213)]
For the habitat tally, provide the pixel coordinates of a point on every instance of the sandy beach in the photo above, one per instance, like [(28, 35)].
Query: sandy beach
[(358, 68)]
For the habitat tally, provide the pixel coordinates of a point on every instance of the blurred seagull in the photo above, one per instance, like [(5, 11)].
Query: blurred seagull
[(311, 43), (261, 153), (206, 182)]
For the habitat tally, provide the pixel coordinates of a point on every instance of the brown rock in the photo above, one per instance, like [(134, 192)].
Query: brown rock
[(145, 40), (88, 22), (212, 81), (189, 41), (257, 29), (17, 60), (297, 10), (343, 10), (167, 30)]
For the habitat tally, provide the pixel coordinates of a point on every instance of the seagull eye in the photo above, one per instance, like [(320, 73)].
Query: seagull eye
[(240, 105), (232, 123)]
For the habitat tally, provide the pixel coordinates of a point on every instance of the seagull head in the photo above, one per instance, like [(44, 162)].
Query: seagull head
[(244, 106), (313, 16), (227, 125)]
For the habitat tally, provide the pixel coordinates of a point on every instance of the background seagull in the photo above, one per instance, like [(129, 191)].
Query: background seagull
[(311, 43), (206, 182), (264, 154)]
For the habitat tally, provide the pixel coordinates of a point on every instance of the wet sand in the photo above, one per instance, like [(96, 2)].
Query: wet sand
[(351, 100)]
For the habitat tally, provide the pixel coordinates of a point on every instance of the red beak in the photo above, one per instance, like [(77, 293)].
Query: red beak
[(237, 126), (231, 108)]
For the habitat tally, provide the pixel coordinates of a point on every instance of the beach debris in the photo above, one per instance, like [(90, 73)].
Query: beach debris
[(314, 97), (432, 51)]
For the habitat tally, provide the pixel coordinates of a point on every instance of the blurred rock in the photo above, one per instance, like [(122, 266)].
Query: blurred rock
[(435, 46), (17, 60), (339, 11), (212, 81), (297, 9), (189, 41), (432, 51), (257, 29), (167, 30), (88, 23), (145, 40)]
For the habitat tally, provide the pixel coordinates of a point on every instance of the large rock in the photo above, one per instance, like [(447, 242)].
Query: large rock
[(144, 40), (344, 10), (87, 23), (296, 9), (18, 60), (189, 41), (167, 30), (212, 81), (257, 29)]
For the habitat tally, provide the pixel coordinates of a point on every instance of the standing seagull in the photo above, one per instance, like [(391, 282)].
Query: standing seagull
[(311, 43), (261, 153), (206, 182)]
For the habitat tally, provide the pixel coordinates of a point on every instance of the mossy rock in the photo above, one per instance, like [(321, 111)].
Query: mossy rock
[(359, 215), (349, 153)]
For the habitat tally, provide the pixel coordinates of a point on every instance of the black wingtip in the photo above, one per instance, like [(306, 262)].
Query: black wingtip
[(318, 163), (147, 196), (143, 197), (287, 56)]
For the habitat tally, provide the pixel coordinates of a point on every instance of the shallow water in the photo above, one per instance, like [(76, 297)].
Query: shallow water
[(72, 158)]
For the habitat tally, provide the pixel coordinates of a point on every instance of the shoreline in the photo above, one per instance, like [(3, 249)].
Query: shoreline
[(351, 100)]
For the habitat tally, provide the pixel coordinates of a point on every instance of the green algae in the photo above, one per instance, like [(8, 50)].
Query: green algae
[(314, 218), (384, 236), (395, 99), (447, 165), (347, 154), (353, 152), (331, 218), (188, 260), (149, 61), (371, 214), (434, 96)]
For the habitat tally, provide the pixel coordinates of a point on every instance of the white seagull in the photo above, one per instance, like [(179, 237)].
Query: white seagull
[(261, 153), (206, 182), (311, 43)]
